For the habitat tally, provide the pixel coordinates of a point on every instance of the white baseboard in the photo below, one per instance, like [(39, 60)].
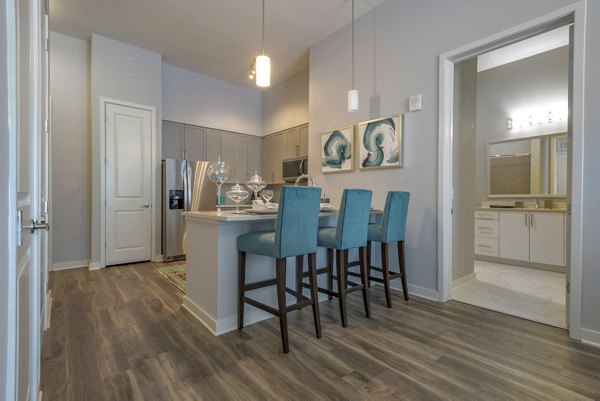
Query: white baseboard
[(591, 337), (158, 258), (96, 266), (70, 265), (415, 290), (463, 280), (225, 325)]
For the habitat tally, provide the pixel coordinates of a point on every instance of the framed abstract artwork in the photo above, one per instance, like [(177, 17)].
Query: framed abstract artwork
[(380, 142), (336, 150)]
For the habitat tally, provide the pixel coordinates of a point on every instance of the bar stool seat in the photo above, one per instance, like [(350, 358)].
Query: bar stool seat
[(350, 232), (295, 234)]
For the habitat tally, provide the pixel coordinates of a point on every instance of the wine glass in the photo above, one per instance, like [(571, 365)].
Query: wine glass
[(237, 194), (218, 172), (267, 195), (256, 184)]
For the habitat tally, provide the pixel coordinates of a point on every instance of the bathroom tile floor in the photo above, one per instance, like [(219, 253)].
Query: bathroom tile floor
[(531, 294)]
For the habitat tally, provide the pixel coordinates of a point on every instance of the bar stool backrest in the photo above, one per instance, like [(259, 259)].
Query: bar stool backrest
[(297, 221), (353, 221), (393, 224)]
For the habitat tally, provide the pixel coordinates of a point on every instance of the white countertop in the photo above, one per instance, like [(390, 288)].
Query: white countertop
[(227, 216), (521, 209)]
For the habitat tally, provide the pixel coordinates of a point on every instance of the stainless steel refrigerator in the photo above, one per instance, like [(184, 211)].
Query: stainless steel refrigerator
[(186, 187)]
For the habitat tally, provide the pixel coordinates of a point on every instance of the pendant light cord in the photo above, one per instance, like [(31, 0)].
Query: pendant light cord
[(263, 27), (352, 44)]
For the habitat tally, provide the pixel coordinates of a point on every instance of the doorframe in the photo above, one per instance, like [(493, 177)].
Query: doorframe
[(8, 205), (103, 102), (576, 13)]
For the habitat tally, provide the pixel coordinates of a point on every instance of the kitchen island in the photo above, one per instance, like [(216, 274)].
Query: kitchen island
[(212, 267)]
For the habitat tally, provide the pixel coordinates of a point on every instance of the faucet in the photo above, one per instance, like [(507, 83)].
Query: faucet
[(307, 177)]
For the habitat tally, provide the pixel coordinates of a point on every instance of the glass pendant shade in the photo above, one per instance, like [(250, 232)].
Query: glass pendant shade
[(263, 71), (352, 101)]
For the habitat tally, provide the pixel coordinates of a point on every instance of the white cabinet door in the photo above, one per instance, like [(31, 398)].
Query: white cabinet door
[(195, 143), (514, 235), (546, 238), (292, 142), (172, 140)]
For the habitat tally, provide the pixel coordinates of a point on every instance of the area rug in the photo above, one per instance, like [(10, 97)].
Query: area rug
[(175, 274)]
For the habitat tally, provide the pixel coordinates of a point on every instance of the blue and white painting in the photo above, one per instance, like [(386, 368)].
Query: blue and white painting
[(336, 150), (380, 142)]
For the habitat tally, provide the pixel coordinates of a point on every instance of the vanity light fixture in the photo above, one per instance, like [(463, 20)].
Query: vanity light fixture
[(353, 93), (537, 117), (262, 63)]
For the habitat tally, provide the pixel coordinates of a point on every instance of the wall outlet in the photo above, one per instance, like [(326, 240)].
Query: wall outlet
[(415, 102)]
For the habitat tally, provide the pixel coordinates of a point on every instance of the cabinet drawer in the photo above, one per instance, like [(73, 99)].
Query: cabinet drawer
[(486, 215), (486, 228), (486, 246)]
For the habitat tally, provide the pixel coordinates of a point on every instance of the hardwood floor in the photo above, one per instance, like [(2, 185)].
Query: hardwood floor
[(119, 334)]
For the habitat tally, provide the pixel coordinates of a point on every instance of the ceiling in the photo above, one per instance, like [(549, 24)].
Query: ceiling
[(218, 38)]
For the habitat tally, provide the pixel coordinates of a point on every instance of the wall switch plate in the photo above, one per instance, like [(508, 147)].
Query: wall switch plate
[(415, 102)]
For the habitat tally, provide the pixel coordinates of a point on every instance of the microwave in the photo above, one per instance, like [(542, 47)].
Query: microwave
[(294, 168)]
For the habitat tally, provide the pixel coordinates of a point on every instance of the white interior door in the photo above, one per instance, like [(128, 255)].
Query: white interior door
[(24, 153), (128, 184)]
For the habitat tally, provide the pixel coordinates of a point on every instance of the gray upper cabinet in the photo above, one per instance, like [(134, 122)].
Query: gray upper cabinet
[(172, 140), (274, 151), (195, 143), (213, 145), (296, 141), (241, 152), (228, 152), (254, 153), (241, 158), (303, 131)]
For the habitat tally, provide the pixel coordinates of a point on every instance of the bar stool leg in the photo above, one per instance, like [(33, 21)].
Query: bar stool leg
[(340, 258), (241, 285), (364, 279), (280, 278), (314, 292), (299, 272), (346, 268), (330, 272), (401, 262), (386, 273), (369, 263)]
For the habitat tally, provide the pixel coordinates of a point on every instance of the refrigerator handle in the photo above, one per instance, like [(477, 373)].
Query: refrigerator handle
[(186, 188)]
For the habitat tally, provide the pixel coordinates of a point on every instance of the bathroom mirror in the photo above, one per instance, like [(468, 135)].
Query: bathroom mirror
[(528, 167)]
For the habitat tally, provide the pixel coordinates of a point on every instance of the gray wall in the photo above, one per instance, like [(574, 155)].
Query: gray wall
[(128, 73), (197, 99), (591, 175), (534, 81), (465, 96), (71, 147), (285, 105), (398, 46)]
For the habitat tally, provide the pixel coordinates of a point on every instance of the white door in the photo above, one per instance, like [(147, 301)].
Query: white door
[(21, 152), (128, 184)]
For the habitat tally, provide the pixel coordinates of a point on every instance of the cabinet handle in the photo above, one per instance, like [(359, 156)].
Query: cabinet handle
[(297, 150), (526, 224), (485, 246), (485, 216), (532, 221)]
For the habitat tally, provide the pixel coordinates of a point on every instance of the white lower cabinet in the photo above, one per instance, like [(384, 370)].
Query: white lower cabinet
[(536, 237), (486, 233)]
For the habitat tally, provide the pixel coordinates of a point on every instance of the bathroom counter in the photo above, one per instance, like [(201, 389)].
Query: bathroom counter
[(521, 209)]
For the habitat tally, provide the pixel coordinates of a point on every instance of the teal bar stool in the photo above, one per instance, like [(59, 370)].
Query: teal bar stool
[(295, 235), (391, 229), (350, 232)]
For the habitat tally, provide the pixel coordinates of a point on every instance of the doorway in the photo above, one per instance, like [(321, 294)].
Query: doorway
[(447, 193), (128, 183)]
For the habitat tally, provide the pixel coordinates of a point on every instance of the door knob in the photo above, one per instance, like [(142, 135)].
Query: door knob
[(146, 205)]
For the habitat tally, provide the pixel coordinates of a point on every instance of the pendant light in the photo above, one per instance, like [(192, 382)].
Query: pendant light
[(262, 62), (353, 93)]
